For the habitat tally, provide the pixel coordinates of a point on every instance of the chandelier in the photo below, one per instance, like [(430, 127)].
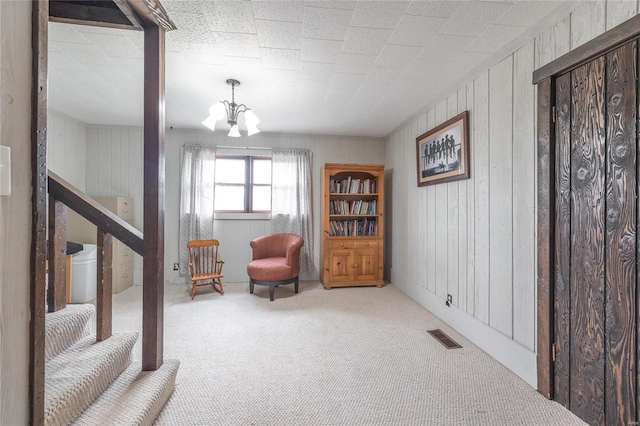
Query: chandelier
[(231, 111)]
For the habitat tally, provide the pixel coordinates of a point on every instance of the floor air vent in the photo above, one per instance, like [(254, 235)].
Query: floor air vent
[(447, 341)]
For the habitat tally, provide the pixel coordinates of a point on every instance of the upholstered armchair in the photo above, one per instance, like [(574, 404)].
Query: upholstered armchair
[(276, 261)]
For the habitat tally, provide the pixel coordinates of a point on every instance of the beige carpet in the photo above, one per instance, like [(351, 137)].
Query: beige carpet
[(351, 356)]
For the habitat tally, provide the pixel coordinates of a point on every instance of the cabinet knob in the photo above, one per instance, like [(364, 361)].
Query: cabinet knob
[(125, 211), (341, 244), (125, 254), (124, 275)]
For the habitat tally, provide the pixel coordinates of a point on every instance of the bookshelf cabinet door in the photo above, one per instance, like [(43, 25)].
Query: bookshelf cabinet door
[(366, 264), (340, 265)]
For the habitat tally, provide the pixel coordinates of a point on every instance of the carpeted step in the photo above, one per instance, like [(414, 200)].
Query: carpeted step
[(65, 328), (76, 377), (135, 398)]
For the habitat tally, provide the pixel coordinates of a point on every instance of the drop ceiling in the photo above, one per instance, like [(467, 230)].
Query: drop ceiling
[(356, 68)]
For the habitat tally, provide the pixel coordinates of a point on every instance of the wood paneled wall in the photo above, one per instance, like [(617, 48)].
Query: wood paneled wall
[(67, 148), (15, 211), (114, 167), (475, 239)]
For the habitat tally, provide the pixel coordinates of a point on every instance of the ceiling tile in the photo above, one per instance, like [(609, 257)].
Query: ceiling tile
[(285, 35), (85, 53), (316, 71), (416, 30), (440, 9), (62, 61), (526, 13), (65, 33), (398, 56), (495, 38), (230, 16), (346, 81), (112, 73), (446, 46), (236, 44), (114, 45), (342, 4), (354, 64), (240, 66), (328, 24), (423, 69), (286, 59), (201, 53), (365, 41), (280, 77), (290, 11), (186, 22), (383, 75), (316, 50), (472, 18), (375, 14)]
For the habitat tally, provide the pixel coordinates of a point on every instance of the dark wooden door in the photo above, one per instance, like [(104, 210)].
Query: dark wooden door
[(596, 246)]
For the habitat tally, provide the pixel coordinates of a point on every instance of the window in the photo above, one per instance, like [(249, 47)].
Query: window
[(243, 184)]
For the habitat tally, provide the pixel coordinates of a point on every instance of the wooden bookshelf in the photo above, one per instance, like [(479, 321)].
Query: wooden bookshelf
[(352, 225)]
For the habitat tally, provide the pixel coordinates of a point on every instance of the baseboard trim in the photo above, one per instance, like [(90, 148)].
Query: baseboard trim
[(514, 356)]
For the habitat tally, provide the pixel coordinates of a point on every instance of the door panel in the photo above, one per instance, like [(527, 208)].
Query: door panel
[(596, 248), (620, 247), (587, 242), (563, 238)]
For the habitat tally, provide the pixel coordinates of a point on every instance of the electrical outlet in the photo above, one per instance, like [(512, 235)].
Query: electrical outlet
[(449, 300), (175, 266)]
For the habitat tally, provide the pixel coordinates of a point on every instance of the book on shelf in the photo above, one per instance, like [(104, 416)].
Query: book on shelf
[(357, 227), (352, 186)]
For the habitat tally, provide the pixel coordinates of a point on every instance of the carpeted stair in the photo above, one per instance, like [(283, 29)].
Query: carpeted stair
[(89, 382)]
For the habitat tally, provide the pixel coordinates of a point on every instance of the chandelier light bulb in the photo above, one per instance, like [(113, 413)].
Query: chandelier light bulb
[(234, 132), (217, 111)]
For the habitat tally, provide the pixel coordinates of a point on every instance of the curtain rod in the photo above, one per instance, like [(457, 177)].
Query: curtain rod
[(243, 147)]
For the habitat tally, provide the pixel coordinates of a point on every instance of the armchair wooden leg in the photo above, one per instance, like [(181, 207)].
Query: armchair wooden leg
[(296, 286), (272, 290), (193, 290), (250, 286)]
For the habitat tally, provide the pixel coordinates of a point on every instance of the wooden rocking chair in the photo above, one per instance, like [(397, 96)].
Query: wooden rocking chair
[(204, 265)]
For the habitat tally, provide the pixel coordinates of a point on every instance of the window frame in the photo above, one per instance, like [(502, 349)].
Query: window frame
[(248, 184)]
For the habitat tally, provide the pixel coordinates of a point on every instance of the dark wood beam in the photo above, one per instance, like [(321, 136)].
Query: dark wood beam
[(96, 13), (39, 49), (57, 292), (600, 45), (150, 13), (546, 244), (95, 212), (154, 184)]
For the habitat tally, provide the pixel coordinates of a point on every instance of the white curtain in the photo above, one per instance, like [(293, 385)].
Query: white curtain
[(196, 197), (291, 209)]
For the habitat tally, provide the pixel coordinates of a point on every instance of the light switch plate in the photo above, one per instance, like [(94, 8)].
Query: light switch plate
[(5, 170)]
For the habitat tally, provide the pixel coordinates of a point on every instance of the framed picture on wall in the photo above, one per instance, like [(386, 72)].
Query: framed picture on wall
[(443, 152)]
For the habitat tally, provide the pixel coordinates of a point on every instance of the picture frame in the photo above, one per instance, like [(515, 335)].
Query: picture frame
[(442, 153)]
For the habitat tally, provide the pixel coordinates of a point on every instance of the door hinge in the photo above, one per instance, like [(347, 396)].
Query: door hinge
[(553, 352), (553, 113)]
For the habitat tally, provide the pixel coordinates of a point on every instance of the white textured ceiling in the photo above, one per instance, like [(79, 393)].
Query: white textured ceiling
[(317, 67)]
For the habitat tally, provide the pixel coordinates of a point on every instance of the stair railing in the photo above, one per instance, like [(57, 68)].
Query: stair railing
[(62, 195)]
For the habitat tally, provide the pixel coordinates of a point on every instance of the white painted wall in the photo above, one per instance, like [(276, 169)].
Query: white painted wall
[(114, 167), (67, 148), (475, 239), (15, 210)]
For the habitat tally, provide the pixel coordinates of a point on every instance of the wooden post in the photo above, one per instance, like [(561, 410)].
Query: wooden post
[(154, 182), (39, 46), (57, 293), (104, 300)]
